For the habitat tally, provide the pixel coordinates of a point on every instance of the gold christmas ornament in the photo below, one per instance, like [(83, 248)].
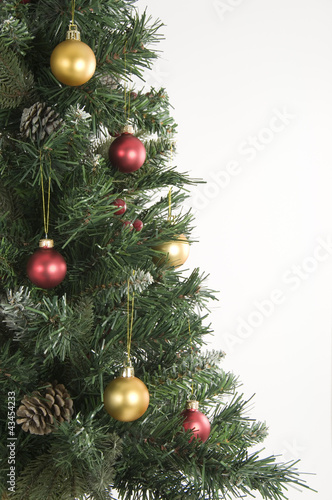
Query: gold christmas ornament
[(72, 61), (126, 398), (176, 252)]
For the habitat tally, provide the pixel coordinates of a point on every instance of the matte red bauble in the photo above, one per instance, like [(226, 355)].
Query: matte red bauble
[(46, 268), (127, 153), (138, 225), (196, 421), (120, 203)]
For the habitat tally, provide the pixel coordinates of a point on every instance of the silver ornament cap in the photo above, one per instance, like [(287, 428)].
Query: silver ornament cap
[(128, 129), (127, 370), (192, 404)]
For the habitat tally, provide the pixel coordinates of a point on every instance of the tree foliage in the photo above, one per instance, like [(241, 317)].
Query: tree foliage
[(76, 332)]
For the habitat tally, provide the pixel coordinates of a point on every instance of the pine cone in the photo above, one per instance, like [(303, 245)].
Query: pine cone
[(38, 121), (40, 411), (109, 81)]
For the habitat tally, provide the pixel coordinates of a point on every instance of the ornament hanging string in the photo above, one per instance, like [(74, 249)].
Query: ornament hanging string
[(130, 320), (46, 209), (126, 109), (191, 347), (170, 204), (72, 12), (170, 217)]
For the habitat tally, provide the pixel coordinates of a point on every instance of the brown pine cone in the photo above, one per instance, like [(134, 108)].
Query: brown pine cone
[(39, 411)]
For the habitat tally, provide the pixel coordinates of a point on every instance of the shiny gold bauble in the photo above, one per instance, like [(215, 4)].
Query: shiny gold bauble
[(176, 252), (73, 62), (126, 398)]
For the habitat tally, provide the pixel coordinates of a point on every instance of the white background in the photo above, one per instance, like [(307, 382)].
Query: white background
[(231, 69)]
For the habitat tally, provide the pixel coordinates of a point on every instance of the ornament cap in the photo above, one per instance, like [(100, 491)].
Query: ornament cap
[(192, 404), (73, 33), (128, 371), (128, 129), (46, 243)]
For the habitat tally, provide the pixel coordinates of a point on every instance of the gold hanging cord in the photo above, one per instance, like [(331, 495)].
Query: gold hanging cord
[(46, 209), (170, 218), (73, 13), (130, 320), (170, 204), (191, 346), (126, 109)]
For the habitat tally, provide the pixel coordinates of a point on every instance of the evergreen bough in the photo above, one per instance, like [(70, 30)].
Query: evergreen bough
[(75, 333)]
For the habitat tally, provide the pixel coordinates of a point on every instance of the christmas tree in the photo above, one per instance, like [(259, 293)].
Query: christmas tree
[(102, 336)]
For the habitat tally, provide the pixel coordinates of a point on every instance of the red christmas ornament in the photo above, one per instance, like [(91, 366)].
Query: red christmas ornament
[(138, 225), (127, 153), (46, 268), (120, 203), (196, 421)]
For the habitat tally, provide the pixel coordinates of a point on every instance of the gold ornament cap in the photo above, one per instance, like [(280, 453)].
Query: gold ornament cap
[(46, 243), (73, 34), (127, 371), (128, 129), (192, 404)]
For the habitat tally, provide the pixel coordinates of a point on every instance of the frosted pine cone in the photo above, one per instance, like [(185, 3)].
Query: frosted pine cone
[(39, 121)]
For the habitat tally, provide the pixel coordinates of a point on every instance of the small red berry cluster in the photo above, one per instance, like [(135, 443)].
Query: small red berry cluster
[(137, 224)]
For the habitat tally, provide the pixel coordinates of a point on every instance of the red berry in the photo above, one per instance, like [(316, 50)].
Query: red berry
[(120, 203), (138, 225)]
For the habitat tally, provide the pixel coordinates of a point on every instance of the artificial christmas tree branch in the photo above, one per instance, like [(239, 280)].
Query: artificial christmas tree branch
[(15, 80), (62, 346)]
